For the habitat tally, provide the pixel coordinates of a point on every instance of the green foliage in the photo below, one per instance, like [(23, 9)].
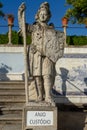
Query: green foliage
[(1, 5), (28, 39), (1, 13), (20, 40), (77, 40), (77, 13), (3, 39), (16, 39)]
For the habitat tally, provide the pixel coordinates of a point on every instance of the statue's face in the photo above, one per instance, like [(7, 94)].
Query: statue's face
[(43, 16)]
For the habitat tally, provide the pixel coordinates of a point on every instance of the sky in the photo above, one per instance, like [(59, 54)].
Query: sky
[(57, 8)]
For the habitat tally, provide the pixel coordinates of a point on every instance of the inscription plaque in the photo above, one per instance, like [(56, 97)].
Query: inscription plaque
[(39, 118)]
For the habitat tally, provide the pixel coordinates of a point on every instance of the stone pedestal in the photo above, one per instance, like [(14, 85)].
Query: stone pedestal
[(39, 116)]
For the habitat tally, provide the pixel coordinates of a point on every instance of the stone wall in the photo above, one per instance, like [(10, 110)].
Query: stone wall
[(11, 63), (71, 80)]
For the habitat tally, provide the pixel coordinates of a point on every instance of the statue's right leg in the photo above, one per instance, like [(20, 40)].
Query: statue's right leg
[(39, 88), (47, 87)]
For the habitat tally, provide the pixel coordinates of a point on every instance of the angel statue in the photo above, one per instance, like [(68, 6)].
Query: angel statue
[(46, 48)]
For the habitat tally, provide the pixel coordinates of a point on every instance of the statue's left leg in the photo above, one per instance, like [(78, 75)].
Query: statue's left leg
[(48, 84), (38, 80)]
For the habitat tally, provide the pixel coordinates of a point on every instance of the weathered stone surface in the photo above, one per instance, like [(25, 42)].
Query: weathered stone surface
[(48, 42), (11, 105), (41, 119), (54, 44), (46, 48), (32, 93)]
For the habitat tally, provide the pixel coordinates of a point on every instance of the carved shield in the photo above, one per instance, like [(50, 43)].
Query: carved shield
[(53, 46), (49, 42)]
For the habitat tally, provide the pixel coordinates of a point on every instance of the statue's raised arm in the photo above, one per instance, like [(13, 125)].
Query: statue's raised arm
[(22, 26), (21, 11)]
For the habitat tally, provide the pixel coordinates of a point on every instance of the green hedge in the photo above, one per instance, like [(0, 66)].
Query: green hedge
[(16, 39), (76, 40), (3, 39)]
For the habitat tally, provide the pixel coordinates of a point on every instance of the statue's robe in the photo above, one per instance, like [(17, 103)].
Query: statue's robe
[(48, 45)]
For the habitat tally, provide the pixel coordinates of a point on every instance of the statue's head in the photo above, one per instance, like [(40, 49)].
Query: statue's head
[(43, 13)]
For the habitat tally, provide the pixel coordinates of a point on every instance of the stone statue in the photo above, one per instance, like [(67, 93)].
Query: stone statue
[(46, 48)]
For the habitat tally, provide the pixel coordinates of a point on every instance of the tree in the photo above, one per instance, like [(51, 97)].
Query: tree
[(77, 13), (1, 13)]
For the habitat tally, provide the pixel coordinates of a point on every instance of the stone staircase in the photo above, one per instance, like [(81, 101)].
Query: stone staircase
[(12, 99)]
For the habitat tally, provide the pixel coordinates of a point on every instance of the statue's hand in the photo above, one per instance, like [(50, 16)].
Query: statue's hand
[(22, 7), (33, 48), (20, 32)]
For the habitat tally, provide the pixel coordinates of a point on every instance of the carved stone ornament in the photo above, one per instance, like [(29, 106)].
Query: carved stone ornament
[(53, 46)]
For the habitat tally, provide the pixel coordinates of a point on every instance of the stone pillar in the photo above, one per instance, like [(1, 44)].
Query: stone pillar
[(10, 18), (10, 34), (64, 27)]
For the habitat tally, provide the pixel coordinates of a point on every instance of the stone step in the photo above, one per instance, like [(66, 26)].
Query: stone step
[(12, 105), (14, 93), (12, 100), (10, 127), (12, 85), (15, 109), (18, 98), (11, 82), (11, 118), (7, 104)]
